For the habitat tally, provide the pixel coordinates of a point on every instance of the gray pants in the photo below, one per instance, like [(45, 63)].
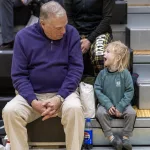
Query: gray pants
[(7, 19), (104, 118)]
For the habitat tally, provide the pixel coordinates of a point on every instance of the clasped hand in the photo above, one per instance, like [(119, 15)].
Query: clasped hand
[(48, 108), (114, 112)]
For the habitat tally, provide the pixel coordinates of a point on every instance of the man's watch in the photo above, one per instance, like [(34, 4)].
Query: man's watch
[(61, 98)]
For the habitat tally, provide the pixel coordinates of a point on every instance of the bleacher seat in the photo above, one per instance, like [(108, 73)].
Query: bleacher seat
[(51, 132)]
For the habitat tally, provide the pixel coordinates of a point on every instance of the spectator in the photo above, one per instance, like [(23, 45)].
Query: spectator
[(114, 90), (7, 20), (92, 19), (47, 66)]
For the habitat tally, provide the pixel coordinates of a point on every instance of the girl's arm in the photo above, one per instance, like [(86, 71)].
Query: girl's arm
[(128, 94), (98, 88)]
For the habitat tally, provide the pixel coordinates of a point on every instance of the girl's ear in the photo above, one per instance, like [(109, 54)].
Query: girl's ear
[(118, 58)]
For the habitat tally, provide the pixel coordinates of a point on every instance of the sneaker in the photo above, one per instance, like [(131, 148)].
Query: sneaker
[(126, 144), (116, 143), (6, 46)]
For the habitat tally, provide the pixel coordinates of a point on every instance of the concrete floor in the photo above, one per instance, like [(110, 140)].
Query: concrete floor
[(98, 148)]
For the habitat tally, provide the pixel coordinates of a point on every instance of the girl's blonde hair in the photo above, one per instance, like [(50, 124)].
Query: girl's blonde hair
[(123, 52)]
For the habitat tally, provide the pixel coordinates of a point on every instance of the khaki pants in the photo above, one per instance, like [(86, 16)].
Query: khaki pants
[(17, 113)]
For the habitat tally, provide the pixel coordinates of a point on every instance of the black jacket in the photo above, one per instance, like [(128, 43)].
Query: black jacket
[(90, 17)]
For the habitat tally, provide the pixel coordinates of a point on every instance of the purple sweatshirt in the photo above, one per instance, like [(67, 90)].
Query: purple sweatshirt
[(41, 65)]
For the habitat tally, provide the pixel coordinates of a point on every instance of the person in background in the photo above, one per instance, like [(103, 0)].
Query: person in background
[(114, 90), (92, 19), (7, 20), (47, 67)]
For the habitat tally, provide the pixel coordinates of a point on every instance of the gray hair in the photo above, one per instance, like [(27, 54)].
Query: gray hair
[(51, 9)]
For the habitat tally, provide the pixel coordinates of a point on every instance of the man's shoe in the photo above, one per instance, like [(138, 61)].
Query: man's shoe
[(116, 143), (6, 46), (126, 144)]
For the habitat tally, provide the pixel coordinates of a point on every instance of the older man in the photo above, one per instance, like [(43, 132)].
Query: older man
[(47, 66)]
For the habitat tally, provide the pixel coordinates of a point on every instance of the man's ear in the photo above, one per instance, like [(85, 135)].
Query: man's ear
[(42, 23)]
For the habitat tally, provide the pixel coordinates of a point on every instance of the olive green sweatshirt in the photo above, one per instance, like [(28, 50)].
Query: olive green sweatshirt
[(114, 89)]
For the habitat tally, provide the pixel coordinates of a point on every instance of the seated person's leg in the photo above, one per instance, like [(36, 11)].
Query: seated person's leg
[(105, 123), (16, 114), (129, 116), (73, 121), (104, 120), (88, 67), (97, 50), (7, 22)]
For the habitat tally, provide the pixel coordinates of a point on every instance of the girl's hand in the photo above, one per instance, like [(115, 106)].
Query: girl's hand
[(112, 110), (118, 114)]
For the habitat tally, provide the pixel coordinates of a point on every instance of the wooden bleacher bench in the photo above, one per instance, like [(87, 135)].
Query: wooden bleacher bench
[(138, 4), (142, 113), (51, 132), (141, 56), (141, 52)]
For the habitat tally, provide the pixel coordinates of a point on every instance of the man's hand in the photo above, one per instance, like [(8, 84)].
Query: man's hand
[(118, 114), (112, 110), (85, 45), (52, 106), (38, 106), (26, 2)]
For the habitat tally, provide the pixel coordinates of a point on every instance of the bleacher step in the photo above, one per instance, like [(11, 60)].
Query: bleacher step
[(138, 16), (137, 38), (138, 2), (97, 148), (141, 133)]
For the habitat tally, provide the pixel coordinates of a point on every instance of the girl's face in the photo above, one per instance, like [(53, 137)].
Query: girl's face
[(109, 58)]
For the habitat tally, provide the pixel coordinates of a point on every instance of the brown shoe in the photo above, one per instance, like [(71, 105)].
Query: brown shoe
[(6, 46)]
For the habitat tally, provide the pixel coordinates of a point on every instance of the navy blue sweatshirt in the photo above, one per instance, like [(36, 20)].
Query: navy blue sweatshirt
[(41, 65)]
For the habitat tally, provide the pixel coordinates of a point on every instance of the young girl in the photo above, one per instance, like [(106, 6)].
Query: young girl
[(114, 90)]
